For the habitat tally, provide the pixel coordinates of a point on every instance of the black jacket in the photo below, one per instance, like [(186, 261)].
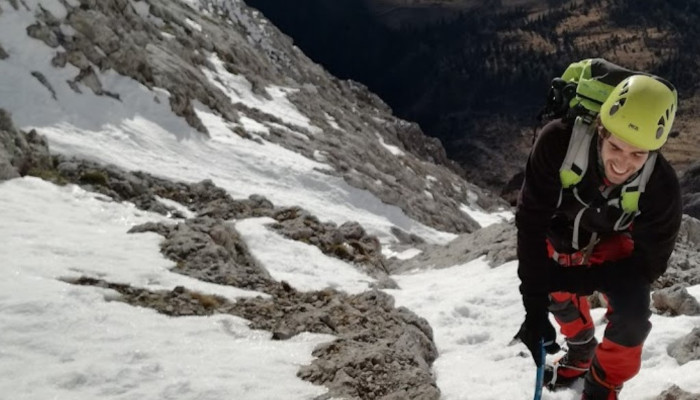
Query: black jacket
[(538, 217)]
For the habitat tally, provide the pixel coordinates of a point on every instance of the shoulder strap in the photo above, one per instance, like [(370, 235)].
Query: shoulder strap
[(576, 160), (629, 197)]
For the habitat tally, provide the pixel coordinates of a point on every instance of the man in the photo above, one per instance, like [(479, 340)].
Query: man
[(572, 241)]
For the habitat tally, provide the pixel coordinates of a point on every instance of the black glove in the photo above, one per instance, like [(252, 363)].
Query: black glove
[(537, 327)]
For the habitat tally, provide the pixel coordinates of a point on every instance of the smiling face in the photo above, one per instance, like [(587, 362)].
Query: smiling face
[(621, 160)]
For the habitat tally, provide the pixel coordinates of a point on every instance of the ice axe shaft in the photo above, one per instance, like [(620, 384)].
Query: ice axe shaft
[(539, 378)]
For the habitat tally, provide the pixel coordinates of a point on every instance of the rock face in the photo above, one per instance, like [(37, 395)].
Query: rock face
[(684, 265), (690, 185), (348, 242), (382, 352), (687, 348), (170, 45), (676, 393), (497, 243), (20, 152), (210, 250), (675, 301)]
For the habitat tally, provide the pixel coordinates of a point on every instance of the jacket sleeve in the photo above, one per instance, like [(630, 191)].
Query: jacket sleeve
[(537, 204)]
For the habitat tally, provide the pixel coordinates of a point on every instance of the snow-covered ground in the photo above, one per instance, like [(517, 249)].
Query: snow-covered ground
[(60, 341)]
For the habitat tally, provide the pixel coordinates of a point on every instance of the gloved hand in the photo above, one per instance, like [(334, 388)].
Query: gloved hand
[(536, 327)]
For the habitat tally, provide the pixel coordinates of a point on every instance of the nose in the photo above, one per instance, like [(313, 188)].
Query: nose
[(622, 160)]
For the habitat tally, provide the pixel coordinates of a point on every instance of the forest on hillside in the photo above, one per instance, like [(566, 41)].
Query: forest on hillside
[(489, 69)]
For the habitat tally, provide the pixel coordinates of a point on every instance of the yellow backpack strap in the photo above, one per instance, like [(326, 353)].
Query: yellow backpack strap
[(630, 193)]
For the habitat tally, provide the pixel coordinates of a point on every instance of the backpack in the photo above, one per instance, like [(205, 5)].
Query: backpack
[(582, 89), (577, 96)]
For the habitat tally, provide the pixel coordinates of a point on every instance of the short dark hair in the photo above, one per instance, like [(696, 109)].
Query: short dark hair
[(602, 132)]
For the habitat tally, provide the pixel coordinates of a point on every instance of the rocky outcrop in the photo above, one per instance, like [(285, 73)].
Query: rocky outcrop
[(690, 186), (684, 265), (348, 242), (687, 348), (20, 152), (497, 243), (382, 352), (210, 250), (3, 53), (675, 301), (210, 206), (373, 363), (676, 393)]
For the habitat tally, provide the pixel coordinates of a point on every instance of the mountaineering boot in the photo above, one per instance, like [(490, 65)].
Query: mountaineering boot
[(594, 389), (571, 366)]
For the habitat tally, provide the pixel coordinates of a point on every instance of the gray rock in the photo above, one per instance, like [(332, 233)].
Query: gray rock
[(44, 33), (348, 242), (675, 301), (45, 82), (690, 231), (687, 348), (351, 230), (691, 204), (7, 170), (690, 186), (21, 153), (88, 78), (210, 250), (68, 168), (260, 202), (406, 238), (496, 242), (78, 59), (377, 360), (684, 265), (381, 351), (59, 60), (676, 393)]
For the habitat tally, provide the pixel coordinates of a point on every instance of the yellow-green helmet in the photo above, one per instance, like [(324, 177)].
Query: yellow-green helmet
[(640, 111)]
